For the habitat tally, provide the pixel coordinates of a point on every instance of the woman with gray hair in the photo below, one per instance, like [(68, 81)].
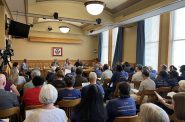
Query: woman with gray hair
[(150, 112), (48, 113)]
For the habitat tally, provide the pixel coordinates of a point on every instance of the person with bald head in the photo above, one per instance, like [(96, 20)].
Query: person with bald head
[(7, 99)]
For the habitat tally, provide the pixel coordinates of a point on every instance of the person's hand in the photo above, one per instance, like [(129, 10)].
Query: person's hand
[(162, 100)]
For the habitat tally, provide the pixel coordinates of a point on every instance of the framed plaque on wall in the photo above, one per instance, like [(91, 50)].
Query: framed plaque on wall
[(57, 51)]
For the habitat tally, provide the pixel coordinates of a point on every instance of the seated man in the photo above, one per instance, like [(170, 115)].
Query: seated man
[(59, 82), (92, 80), (138, 75), (146, 84), (69, 93), (107, 73), (31, 96), (79, 79), (7, 99), (162, 79), (122, 106)]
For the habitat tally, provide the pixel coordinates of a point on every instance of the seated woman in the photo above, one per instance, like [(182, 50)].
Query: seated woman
[(59, 82), (122, 106), (162, 79), (49, 113), (69, 93), (150, 112), (173, 80), (31, 96), (91, 107)]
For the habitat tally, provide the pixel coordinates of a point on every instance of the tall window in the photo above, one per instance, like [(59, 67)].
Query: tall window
[(105, 43), (178, 37), (114, 40), (152, 41)]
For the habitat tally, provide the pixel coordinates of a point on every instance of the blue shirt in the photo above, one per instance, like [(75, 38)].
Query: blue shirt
[(67, 94), (85, 89), (161, 82), (120, 107), (118, 77)]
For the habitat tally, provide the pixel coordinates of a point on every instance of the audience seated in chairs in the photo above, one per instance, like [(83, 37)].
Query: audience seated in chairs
[(91, 107), (92, 80), (122, 106), (51, 75), (31, 96), (69, 93), (34, 72), (59, 82), (7, 99), (162, 79), (48, 113), (107, 73), (150, 112), (138, 75), (79, 79)]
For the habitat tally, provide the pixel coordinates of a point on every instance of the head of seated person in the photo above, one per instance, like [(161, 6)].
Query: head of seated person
[(145, 74), (181, 86), (182, 69), (2, 81), (179, 103), (69, 81), (105, 67), (164, 68), (150, 112), (57, 69), (79, 71), (124, 90), (38, 81), (35, 72), (92, 77), (139, 67), (60, 74), (119, 68)]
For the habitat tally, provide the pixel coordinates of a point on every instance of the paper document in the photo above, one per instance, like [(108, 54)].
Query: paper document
[(67, 71), (170, 94), (85, 84), (135, 90)]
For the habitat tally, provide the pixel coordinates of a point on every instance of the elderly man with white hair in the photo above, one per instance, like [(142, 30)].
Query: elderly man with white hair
[(48, 113), (7, 99), (92, 80)]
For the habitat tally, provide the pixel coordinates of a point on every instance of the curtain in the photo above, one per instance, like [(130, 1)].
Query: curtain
[(118, 54), (140, 51), (100, 37)]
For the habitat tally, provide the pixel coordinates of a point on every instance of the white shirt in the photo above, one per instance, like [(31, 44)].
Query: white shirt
[(137, 76), (47, 115), (21, 80), (147, 84)]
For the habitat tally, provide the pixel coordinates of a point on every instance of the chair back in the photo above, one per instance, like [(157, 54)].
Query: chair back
[(136, 84), (7, 113), (33, 107), (150, 94), (68, 105), (175, 89), (163, 91), (127, 119)]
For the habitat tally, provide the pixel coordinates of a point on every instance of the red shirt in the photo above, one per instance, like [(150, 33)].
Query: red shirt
[(31, 97)]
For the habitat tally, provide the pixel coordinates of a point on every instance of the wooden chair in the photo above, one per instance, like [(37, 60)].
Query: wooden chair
[(163, 91), (175, 89), (151, 96), (8, 113), (127, 119), (136, 84), (33, 107), (68, 105)]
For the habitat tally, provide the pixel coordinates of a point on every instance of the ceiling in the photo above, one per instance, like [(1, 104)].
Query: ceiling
[(73, 12)]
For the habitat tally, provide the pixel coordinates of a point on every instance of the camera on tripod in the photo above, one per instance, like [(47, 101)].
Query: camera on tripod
[(5, 55)]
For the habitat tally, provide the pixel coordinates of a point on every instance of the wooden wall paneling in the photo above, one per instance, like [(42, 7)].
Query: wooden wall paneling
[(56, 40), (110, 48)]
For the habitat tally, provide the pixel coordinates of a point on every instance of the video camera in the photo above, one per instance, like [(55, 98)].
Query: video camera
[(5, 55)]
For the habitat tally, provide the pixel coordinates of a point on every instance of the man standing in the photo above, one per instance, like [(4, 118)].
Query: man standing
[(8, 99)]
